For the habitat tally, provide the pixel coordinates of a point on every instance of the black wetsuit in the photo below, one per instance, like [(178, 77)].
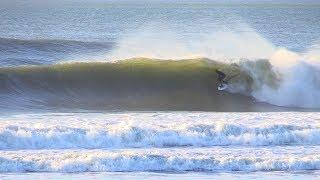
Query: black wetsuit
[(221, 76)]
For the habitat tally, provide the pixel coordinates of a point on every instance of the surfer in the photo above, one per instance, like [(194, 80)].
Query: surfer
[(222, 83), (221, 77)]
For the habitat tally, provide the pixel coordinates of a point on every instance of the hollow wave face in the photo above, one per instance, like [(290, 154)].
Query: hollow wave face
[(151, 84), (131, 84)]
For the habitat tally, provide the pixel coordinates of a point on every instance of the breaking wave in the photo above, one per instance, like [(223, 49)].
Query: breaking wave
[(164, 160), (151, 84), (166, 142), (126, 135), (140, 84)]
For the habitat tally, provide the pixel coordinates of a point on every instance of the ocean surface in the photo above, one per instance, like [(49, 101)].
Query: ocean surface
[(127, 89)]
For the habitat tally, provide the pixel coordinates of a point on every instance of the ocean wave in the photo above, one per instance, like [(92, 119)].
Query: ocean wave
[(126, 135), (164, 160), (46, 44), (153, 84), (17, 52), (135, 84)]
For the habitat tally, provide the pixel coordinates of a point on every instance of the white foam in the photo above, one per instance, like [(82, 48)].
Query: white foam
[(297, 76), (54, 131), (156, 141), (219, 159)]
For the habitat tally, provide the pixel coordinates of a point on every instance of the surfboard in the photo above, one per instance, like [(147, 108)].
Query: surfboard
[(222, 87)]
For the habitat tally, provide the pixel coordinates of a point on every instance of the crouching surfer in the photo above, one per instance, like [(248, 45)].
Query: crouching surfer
[(222, 83)]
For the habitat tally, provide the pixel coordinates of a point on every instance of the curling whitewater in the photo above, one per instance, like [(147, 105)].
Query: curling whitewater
[(160, 141)]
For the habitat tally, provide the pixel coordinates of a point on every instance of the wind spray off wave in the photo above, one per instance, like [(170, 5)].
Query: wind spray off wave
[(287, 78)]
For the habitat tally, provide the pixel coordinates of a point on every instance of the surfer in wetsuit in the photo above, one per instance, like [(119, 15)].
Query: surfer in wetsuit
[(221, 77)]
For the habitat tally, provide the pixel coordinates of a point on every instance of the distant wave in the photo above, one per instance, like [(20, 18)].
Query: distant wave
[(14, 52)]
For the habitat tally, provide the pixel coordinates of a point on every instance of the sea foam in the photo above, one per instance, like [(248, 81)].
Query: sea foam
[(159, 130), (219, 159)]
